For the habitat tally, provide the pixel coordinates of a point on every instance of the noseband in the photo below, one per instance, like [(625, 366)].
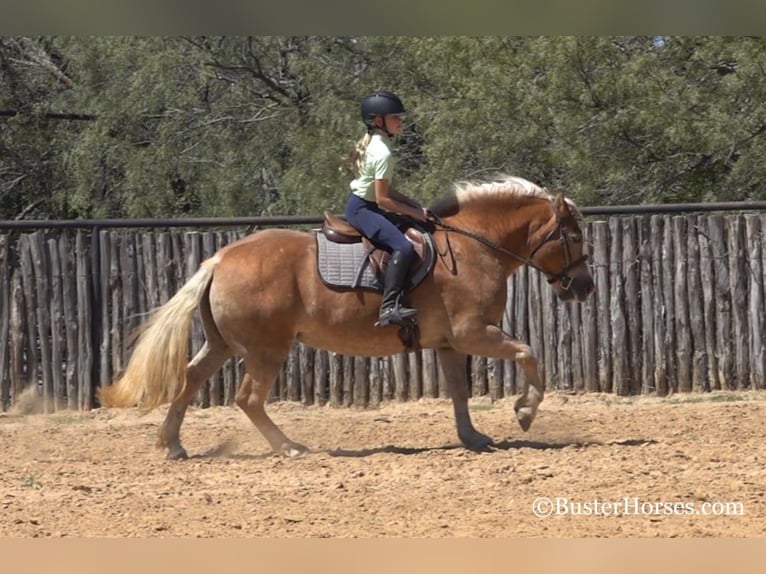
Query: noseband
[(562, 276)]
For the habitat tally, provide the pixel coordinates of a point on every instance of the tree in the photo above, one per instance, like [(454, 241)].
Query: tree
[(166, 126)]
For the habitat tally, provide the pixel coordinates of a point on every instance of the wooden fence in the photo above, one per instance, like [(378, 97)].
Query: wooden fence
[(679, 306)]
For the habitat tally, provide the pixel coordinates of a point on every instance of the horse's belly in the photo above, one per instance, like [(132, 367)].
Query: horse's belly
[(369, 344)]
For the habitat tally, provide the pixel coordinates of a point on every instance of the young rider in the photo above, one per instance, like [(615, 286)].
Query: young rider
[(373, 197)]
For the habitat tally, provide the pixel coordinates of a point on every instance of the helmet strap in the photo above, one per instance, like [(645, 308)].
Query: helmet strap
[(371, 128)]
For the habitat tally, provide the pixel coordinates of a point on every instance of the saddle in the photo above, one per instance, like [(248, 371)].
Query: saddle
[(336, 230), (347, 259)]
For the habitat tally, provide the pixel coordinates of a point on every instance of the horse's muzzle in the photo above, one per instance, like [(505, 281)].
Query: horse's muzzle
[(579, 288)]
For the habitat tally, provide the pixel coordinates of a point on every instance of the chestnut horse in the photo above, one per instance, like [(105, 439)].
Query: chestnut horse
[(259, 295)]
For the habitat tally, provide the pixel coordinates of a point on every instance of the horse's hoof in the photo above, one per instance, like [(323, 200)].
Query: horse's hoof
[(177, 454), (477, 442), (525, 416), (294, 450)]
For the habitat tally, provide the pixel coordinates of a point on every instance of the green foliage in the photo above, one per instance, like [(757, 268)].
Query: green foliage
[(258, 125)]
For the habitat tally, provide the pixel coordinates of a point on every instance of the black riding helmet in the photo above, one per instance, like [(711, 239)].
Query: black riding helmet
[(380, 104)]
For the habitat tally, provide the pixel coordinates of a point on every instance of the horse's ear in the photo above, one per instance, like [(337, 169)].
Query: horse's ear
[(562, 207)]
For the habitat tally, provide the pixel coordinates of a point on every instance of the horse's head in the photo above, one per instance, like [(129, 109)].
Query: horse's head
[(557, 250), (555, 241)]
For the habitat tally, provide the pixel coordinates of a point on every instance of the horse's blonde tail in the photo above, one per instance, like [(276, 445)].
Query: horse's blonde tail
[(156, 372)]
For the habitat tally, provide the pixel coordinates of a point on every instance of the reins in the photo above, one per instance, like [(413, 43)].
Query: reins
[(562, 275)]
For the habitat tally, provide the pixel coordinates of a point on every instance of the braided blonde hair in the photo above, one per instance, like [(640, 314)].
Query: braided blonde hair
[(354, 161)]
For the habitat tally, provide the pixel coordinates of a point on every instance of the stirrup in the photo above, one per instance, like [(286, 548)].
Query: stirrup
[(397, 315)]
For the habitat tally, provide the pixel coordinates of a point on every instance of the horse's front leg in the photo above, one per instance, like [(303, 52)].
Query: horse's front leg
[(453, 366), (491, 341)]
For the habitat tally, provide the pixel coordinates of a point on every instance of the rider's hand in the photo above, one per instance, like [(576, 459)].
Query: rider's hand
[(419, 214)]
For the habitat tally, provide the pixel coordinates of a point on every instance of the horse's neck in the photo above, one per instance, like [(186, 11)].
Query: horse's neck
[(506, 223)]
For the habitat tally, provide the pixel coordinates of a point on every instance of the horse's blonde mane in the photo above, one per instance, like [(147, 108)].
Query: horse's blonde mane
[(503, 185)]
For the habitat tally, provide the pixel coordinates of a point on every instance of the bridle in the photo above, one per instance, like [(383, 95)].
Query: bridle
[(566, 243), (562, 276)]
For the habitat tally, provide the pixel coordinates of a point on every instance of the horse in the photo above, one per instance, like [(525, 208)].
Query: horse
[(260, 294)]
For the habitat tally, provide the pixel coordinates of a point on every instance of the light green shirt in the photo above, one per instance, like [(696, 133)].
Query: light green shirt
[(378, 164)]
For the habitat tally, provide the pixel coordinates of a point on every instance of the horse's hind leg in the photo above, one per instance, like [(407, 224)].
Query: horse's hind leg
[(202, 367), (454, 368), (262, 370)]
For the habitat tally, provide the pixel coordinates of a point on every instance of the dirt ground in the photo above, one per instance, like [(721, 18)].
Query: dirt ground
[(602, 466)]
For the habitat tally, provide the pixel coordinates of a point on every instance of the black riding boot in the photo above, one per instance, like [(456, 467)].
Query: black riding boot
[(391, 312)]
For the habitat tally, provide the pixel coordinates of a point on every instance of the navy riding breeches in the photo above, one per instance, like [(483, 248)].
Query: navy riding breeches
[(371, 221)]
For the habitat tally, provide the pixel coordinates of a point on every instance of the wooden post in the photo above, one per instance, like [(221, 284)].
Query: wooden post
[(117, 307), (389, 384), (151, 272), (336, 379), (430, 374), (416, 375), (68, 256), (401, 381), (17, 325), (495, 378), (444, 391), (293, 376), (589, 320), (707, 281), (564, 341), (604, 319), (762, 278), (631, 261), (578, 366), (30, 303), (660, 316), (85, 364), (648, 300), (738, 286), (361, 377), (479, 385), (549, 309), (620, 360), (130, 305), (57, 318), (321, 377), (306, 356), (756, 323), (165, 272), (348, 381), (668, 298), (513, 319), (694, 299), (536, 318), (683, 327), (376, 382), (723, 349), (5, 316), (104, 341)]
